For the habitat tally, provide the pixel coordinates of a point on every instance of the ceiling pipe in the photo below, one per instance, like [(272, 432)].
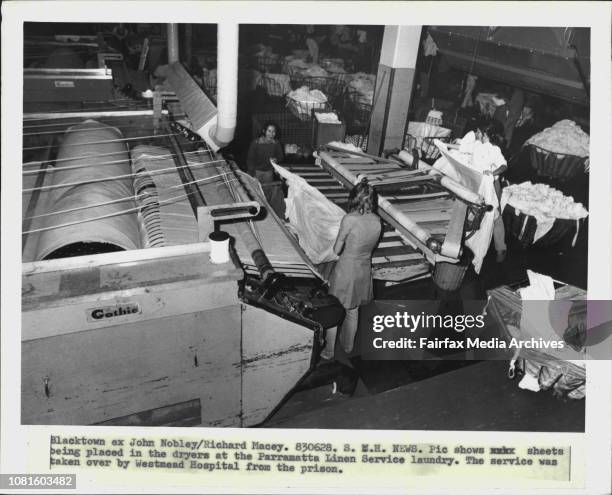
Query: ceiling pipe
[(227, 82)]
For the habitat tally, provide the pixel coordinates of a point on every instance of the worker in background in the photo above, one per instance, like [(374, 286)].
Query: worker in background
[(510, 113), (264, 150), (343, 44), (525, 128), (313, 40), (351, 278)]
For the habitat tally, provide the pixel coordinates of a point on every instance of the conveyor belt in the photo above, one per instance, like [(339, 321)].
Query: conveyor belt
[(412, 201), (395, 258), (176, 220)]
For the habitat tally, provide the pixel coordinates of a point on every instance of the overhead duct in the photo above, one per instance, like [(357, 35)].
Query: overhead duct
[(550, 60), (215, 124), (227, 82)]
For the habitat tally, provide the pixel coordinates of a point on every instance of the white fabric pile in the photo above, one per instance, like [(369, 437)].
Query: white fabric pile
[(488, 103), (315, 218), (305, 95), (363, 84), (564, 137), (456, 166), (333, 65), (315, 71), (303, 101), (328, 118), (297, 60), (543, 202), (345, 146)]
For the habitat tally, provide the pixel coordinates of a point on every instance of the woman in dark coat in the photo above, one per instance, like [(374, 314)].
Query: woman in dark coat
[(262, 151), (351, 278)]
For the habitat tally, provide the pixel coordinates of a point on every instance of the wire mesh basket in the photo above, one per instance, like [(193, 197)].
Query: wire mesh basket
[(330, 85), (359, 140), (275, 85), (266, 63), (456, 125), (209, 83), (330, 62), (555, 165), (421, 136), (357, 112), (296, 79), (522, 228), (303, 109), (359, 99), (449, 276)]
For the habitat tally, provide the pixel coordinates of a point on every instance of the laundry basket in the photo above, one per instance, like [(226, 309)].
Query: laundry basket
[(563, 377), (302, 104), (522, 228), (449, 276), (555, 165), (421, 136), (275, 85)]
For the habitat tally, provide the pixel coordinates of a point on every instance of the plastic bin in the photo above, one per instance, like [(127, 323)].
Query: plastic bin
[(324, 132)]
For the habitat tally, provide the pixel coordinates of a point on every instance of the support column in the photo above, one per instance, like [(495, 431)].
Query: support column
[(393, 92)]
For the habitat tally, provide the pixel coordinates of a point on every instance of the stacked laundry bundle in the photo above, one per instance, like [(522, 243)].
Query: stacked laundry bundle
[(564, 137)]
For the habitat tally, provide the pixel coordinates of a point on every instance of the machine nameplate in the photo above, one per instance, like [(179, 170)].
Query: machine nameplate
[(108, 312), (64, 84)]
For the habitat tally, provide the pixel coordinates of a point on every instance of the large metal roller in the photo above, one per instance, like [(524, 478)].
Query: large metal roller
[(92, 176)]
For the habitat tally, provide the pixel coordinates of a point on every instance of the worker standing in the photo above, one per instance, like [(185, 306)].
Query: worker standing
[(313, 40), (509, 114), (351, 278), (485, 156)]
